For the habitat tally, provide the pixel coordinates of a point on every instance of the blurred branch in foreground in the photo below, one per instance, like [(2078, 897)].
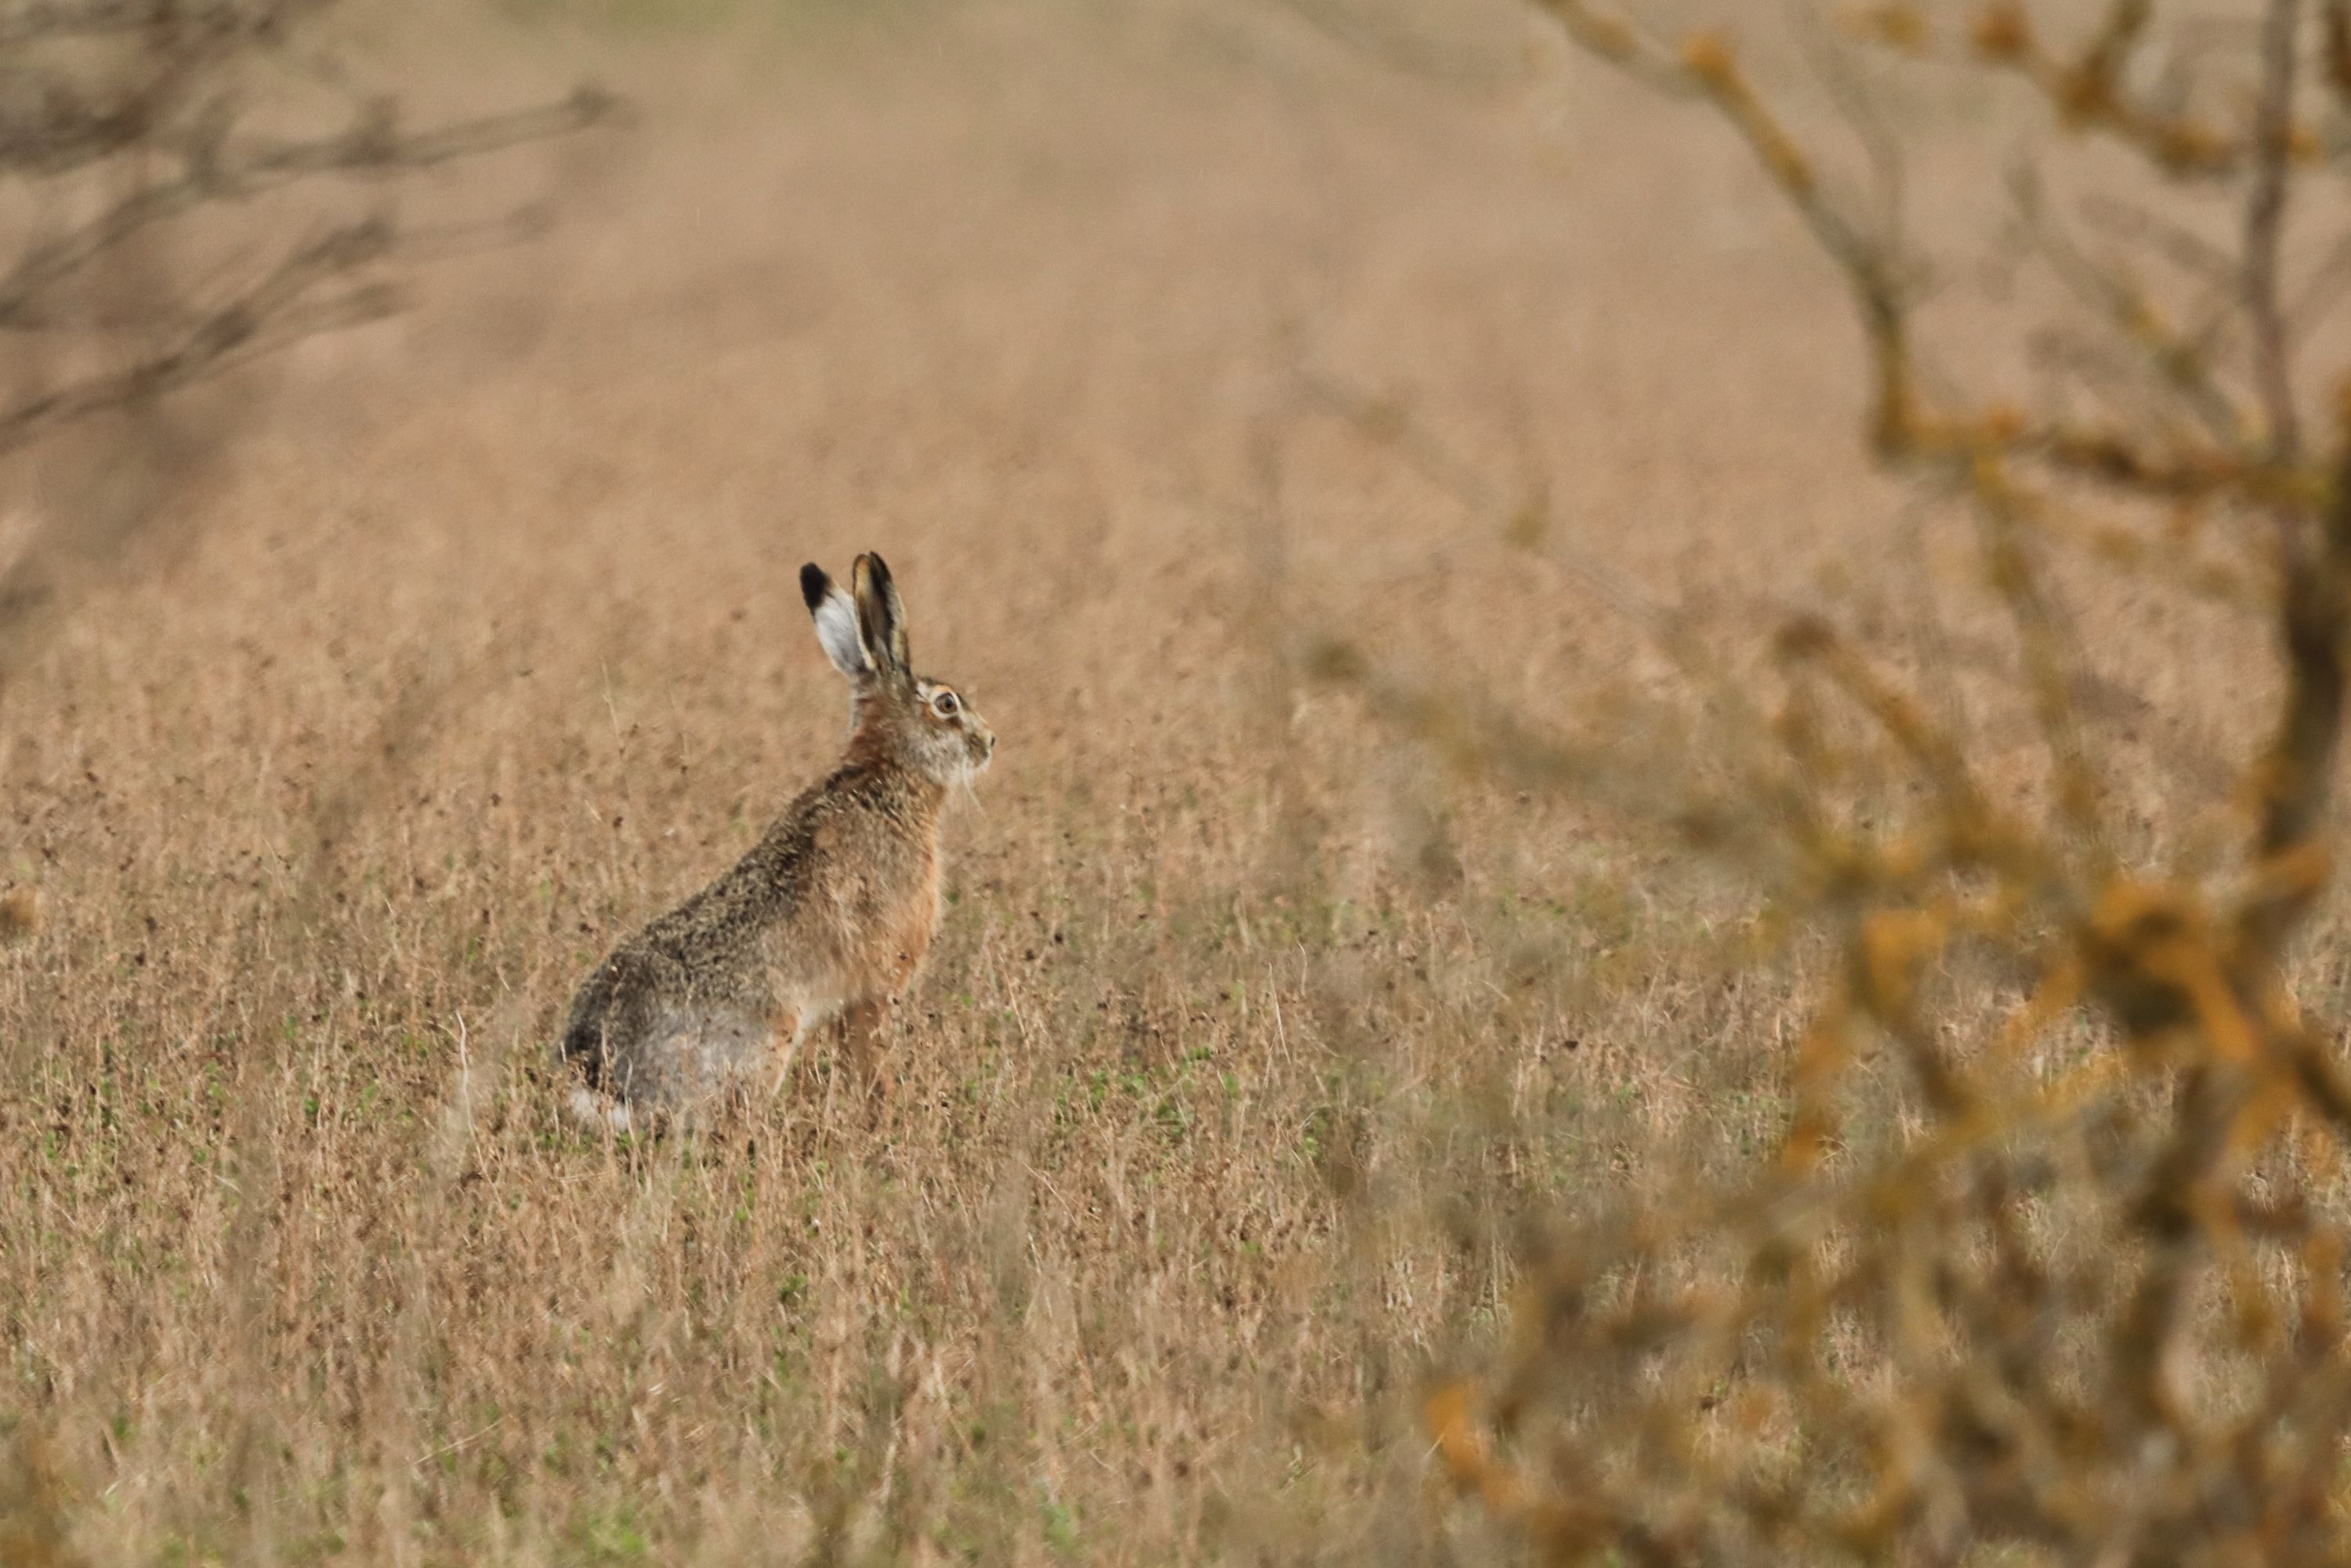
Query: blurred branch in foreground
[(2081, 1297), (156, 175)]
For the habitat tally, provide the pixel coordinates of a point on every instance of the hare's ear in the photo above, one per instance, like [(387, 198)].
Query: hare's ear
[(836, 623), (883, 618)]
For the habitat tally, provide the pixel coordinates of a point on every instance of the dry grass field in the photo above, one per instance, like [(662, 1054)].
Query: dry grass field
[(1152, 345)]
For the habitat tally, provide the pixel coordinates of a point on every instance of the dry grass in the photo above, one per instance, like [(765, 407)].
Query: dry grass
[(1250, 1038)]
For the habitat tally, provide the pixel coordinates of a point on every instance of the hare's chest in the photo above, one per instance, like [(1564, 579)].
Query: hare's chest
[(869, 928), (910, 923)]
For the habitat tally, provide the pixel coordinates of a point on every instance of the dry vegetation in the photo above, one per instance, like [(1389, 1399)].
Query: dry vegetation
[(1271, 1053)]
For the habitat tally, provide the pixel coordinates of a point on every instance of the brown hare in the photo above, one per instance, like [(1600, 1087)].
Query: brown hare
[(828, 916)]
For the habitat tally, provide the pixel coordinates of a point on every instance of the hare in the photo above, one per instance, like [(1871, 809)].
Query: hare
[(828, 916)]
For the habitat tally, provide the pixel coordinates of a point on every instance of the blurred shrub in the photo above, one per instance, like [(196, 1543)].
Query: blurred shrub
[(2075, 1293)]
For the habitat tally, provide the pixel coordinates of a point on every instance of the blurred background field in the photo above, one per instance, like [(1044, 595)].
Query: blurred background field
[(352, 703)]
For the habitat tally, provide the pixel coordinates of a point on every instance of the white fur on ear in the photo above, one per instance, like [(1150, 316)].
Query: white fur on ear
[(836, 628)]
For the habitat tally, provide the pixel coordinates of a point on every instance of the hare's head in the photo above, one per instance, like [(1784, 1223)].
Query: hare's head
[(922, 721)]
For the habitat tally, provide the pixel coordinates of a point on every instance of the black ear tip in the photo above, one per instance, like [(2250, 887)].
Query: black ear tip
[(881, 568), (814, 584)]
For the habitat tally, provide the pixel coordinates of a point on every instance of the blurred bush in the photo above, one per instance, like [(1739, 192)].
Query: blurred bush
[(2072, 1290)]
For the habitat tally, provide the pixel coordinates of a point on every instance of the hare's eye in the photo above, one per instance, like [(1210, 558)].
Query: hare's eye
[(945, 705)]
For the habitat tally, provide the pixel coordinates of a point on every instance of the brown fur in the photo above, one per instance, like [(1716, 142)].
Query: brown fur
[(829, 915)]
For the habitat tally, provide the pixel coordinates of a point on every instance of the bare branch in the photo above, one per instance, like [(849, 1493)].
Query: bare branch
[(2176, 363), (2337, 17), (51, 122), (2265, 210), (260, 318), (41, 21), (1706, 68), (171, 105), (2295, 779), (122, 119), (2091, 90), (372, 144)]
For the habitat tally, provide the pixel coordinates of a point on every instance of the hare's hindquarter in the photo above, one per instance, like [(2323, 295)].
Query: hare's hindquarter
[(684, 1008)]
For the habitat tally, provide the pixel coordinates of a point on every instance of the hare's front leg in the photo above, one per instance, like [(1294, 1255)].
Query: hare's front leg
[(863, 1025), (784, 1031)]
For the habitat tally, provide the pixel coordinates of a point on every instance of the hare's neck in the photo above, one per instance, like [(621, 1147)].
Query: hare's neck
[(870, 749), (913, 795)]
